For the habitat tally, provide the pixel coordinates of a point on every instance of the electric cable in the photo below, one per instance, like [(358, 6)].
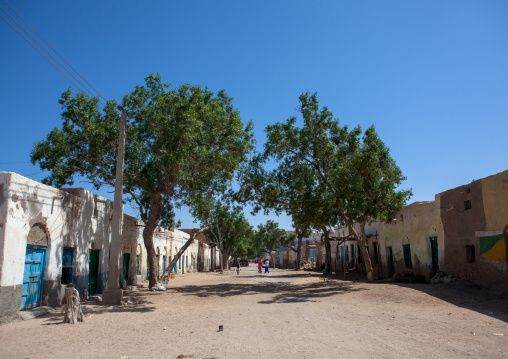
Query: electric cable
[(36, 49), (56, 52), (52, 64)]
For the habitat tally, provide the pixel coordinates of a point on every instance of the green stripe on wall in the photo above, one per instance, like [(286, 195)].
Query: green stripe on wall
[(486, 243)]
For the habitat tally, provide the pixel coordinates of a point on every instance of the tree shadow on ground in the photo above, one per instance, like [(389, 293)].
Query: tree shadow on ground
[(466, 295), (283, 291), (270, 275), (136, 302), (460, 293)]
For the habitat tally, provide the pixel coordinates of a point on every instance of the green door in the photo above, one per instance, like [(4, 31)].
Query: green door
[(93, 271), (391, 265), (125, 268), (435, 254)]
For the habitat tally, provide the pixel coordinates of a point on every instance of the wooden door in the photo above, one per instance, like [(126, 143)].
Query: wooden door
[(33, 276)]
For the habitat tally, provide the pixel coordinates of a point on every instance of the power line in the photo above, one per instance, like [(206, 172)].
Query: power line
[(26, 22), (52, 64), (42, 47), (36, 49)]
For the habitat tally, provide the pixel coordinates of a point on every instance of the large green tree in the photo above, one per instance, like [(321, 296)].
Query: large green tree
[(179, 142), (290, 187), (350, 177)]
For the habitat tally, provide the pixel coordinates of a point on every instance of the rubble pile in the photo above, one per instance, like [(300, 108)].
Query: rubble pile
[(442, 277), (308, 265)]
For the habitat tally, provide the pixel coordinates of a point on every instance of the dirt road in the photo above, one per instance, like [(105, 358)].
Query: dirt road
[(283, 314)]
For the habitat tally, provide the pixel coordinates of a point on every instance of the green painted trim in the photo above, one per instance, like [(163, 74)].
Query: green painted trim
[(486, 243)]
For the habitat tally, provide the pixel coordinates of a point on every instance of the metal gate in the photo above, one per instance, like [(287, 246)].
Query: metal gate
[(33, 276)]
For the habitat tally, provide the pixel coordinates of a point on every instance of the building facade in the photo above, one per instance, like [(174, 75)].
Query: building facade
[(52, 237)]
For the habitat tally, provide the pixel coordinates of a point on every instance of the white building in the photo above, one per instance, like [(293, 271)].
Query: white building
[(51, 237)]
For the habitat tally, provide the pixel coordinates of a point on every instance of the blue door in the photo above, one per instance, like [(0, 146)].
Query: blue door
[(33, 276), (163, 264)]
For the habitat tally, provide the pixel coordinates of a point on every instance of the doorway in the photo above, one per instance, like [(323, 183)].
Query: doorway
[(125, 267), (93, 271), (435, 255), (391, 265), (33, 276)]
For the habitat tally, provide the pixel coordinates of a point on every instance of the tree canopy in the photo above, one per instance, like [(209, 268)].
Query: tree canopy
[(326, 174), (179, 142)]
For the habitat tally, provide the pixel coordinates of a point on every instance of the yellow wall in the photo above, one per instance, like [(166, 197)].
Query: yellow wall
[(495, 201)]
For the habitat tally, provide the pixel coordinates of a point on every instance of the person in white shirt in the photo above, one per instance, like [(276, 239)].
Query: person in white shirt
[(267, 265)]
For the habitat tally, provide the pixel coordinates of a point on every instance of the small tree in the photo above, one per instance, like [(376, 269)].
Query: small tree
[(225, 226), (269, 237)]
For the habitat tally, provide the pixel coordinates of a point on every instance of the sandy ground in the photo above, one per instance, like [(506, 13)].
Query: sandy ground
[(283, 314)]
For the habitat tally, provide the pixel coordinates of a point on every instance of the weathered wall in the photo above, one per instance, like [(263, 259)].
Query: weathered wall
[(92, 232), (460, 225), (414, 225), (56, 217), (478, 229), (33, 213), (495, 201)]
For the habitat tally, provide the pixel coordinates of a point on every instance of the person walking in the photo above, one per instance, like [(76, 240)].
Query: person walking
[(267, 265), (238, 267), (260, 264)]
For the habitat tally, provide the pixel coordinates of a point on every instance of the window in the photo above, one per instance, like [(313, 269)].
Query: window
[(467, 205), (407, 255), (67, 265), (470, 253)]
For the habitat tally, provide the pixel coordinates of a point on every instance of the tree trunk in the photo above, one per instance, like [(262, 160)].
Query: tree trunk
[(362, 240), (298, 253), (156, 206), (169, 268), (225, 260), (337, 259), (150, 252), (73, 311), (221, 262), (328, 250)]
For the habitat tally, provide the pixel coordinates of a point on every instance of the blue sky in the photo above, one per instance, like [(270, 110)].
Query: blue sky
[(432, 76)]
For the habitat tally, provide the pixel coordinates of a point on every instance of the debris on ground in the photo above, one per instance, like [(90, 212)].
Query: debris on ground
[(127, 301), (308, 265), (158, 288), (442, 277), (406, 278)]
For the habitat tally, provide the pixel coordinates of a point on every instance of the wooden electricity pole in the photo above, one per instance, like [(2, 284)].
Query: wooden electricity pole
[(114, 295)]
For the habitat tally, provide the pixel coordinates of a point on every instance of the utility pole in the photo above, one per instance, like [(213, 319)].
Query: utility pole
[(114, 295)]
